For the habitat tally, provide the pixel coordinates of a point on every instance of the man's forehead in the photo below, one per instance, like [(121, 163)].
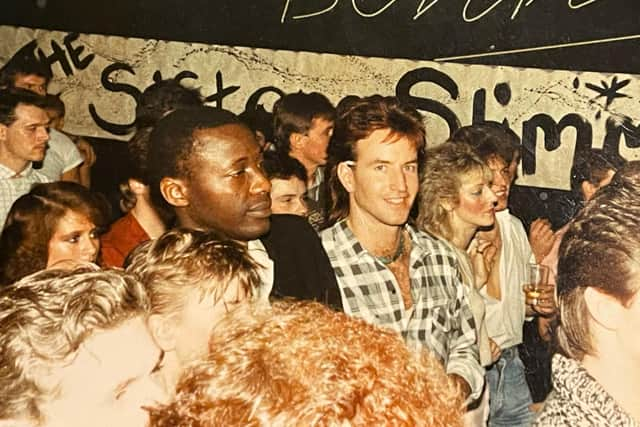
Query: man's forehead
[(31, 113), (29, 78), (227, 141)]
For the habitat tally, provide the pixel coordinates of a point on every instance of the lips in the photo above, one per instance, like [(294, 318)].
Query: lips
[(260, 210)]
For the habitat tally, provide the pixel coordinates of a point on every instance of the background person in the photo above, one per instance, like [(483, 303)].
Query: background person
[(288, 184), (53, 222)]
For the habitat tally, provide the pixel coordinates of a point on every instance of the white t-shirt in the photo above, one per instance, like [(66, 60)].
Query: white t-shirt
[(62, 156)]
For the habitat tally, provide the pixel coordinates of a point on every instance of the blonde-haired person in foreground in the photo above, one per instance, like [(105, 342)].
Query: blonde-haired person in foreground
[(193, 278), (75, 350), (597, 371), (301, 364)]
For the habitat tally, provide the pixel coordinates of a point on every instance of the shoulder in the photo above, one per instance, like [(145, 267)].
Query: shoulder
[(58, 141)]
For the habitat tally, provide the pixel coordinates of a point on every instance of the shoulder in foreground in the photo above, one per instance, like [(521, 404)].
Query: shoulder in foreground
[(431, 243)]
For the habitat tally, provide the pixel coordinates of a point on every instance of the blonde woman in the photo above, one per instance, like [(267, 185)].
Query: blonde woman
[(456, 200)]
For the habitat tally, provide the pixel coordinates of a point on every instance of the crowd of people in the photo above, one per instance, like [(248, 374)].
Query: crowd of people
[(318, 265)]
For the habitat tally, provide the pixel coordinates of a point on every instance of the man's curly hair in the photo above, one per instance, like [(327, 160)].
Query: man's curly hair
[(301, 364)]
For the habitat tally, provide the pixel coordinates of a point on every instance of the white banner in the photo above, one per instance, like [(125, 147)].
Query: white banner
[(557, 113)]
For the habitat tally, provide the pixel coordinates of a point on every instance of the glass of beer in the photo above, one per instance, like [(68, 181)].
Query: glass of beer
[(535, 276)]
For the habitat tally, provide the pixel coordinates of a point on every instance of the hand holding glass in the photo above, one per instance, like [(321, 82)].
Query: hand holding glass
[(535, 277)]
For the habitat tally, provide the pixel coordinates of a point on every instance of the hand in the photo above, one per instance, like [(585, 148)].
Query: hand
[(495, 351), (545, 304), (481, 252), (541, 238), (87, 153)]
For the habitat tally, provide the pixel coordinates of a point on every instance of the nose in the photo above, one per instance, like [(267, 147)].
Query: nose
[(42, 134), (302, 209), (398, 180), (498, 179), (491, 196), (90, 248), (260, 183)]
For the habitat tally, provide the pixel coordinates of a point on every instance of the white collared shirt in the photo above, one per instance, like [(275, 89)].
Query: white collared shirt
[(260, 255), (506, 317)]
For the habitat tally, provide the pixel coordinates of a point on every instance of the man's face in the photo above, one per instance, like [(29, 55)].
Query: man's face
[(25, 140), (108, 382), (385, 179), (31, 82), (316, 141), (288, 196), (227, 190), (501, 181)]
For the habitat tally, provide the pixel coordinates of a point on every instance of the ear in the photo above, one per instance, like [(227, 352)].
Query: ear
[(296, 140), (174, 191), (345, 175), (604, 309), (588, 190), (447, 205), (163, 331), (137, 187)]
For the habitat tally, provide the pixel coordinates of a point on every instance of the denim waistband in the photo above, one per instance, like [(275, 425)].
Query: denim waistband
[(509, 353)]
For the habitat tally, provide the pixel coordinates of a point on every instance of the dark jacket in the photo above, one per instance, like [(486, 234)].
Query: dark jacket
[(301, 267)]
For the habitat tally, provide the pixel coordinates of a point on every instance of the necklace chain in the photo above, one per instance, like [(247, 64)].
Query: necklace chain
[(397, 254)]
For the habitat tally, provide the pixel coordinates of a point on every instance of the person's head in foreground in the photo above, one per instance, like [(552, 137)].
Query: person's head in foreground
[(301, 364), (375, 152), (53, 222), (192, 278), (598, 283), (76, 351), (288, 184), (205, 165)]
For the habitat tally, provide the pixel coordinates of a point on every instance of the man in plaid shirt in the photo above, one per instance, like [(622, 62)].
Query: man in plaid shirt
[(389, 273)]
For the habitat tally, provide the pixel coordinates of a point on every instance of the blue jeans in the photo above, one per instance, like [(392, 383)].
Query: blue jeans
[(509, 397)]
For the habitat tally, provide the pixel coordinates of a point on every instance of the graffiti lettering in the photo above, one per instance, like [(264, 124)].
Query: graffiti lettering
[(471, 12), (59, 55)]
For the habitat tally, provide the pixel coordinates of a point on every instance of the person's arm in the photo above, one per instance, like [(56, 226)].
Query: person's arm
[(72, 175), (463, 359)]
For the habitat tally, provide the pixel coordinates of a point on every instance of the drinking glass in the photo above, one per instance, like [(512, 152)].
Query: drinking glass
[(535, 276)]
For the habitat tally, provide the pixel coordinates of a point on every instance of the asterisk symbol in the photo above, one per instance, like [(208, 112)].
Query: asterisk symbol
[(610, 92)]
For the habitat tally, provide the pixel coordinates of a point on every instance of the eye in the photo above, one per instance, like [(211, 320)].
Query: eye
[(238, 173), (74, 238), (380, 168), (411, 167), (94, 234)]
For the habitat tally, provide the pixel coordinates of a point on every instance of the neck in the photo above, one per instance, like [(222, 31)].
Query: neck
[(309, 166), (169, 374), (148, 218), (374, 236), (619, 375), (16, 165), (462, 235)]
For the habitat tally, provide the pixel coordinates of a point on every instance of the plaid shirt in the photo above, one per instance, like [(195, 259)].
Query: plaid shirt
[(440, 318)]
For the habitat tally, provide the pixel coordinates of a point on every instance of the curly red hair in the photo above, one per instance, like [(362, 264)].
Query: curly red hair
[(301, 364)]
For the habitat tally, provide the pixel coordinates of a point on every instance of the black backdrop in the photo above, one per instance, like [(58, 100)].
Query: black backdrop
[(390, 30), (439, 32)]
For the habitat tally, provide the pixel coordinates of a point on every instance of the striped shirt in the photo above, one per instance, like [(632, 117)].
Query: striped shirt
[(440, 318)]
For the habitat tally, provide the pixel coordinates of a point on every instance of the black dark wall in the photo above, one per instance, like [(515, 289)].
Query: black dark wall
[(439, 32)]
